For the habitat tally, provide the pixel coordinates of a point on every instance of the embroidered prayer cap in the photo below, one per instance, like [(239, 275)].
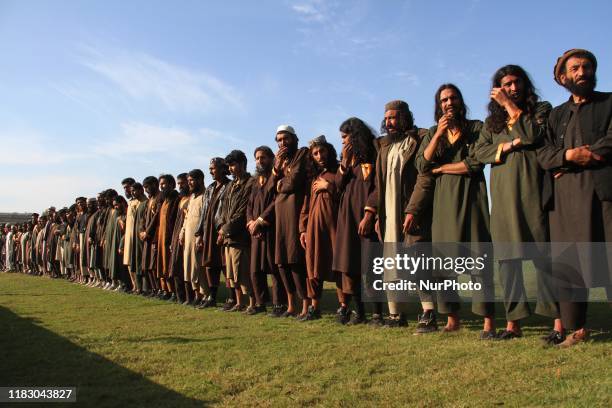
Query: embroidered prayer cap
[(567, 55), (217, 161), (398, 105), (317, 141), (285, 128)]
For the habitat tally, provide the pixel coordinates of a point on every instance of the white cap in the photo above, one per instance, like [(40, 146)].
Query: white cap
[(285, 128)]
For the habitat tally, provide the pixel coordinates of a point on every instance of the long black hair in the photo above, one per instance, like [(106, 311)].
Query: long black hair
[(332, 158), (362, 138), (461, 117), (498, 117)]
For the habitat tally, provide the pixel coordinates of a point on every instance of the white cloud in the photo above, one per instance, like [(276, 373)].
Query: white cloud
[(33, 194), (408, 77), (142, 141), (145, 78), (312, 11), (30, 147), (143, 138)]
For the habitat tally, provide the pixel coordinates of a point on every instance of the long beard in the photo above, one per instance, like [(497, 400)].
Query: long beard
[(582, 90), (397, 135), (196, 189), (263, 171), (183, 192)]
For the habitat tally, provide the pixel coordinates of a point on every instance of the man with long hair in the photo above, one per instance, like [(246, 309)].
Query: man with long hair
[(578, 149), (355, 178), (515, 127), (460, 205), (318, 223)]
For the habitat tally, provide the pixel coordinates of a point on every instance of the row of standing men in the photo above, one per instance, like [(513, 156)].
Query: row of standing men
[(302, 218)]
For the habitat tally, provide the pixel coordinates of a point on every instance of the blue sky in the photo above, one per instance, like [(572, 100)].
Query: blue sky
[(92, 92)]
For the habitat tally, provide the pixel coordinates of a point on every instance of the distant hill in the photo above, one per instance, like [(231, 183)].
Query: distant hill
[(13, 218)]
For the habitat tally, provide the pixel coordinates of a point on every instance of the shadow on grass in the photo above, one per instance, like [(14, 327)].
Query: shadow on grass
[(34, 356)]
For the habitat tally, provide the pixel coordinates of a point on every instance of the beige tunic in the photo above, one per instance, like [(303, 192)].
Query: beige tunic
[(191, 262), (395, 163), (130, 219)]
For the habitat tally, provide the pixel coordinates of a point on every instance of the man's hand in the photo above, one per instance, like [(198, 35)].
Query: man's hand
[(303, 240), (253, 227), (558, 174), (199, 242), (347, 155), (220, 239), (279, 159), (321, 185), (182, 240), (582, 156), (408, 221), (366, 225), (501, 97), (142, 236), (442, 126)]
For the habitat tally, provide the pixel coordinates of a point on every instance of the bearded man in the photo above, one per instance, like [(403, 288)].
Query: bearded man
[(194, 275), (289, 174), (512, 132), (175, 269), (402, 199), (148, 235), (578, 149), (261, 226), (167, 217), (213, 259)]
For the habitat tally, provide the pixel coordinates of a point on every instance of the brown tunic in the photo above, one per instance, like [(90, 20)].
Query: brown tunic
[(581, 212), (212, 256), (150, 225), (261, 205), (357, 186), (175, 268), (167, 219), (318, 222), (291, 188)]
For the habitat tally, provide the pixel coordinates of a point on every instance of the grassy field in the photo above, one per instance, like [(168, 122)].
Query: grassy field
[(122, 350)]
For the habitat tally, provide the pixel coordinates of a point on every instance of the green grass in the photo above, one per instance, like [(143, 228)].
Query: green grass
[(122, 350)]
